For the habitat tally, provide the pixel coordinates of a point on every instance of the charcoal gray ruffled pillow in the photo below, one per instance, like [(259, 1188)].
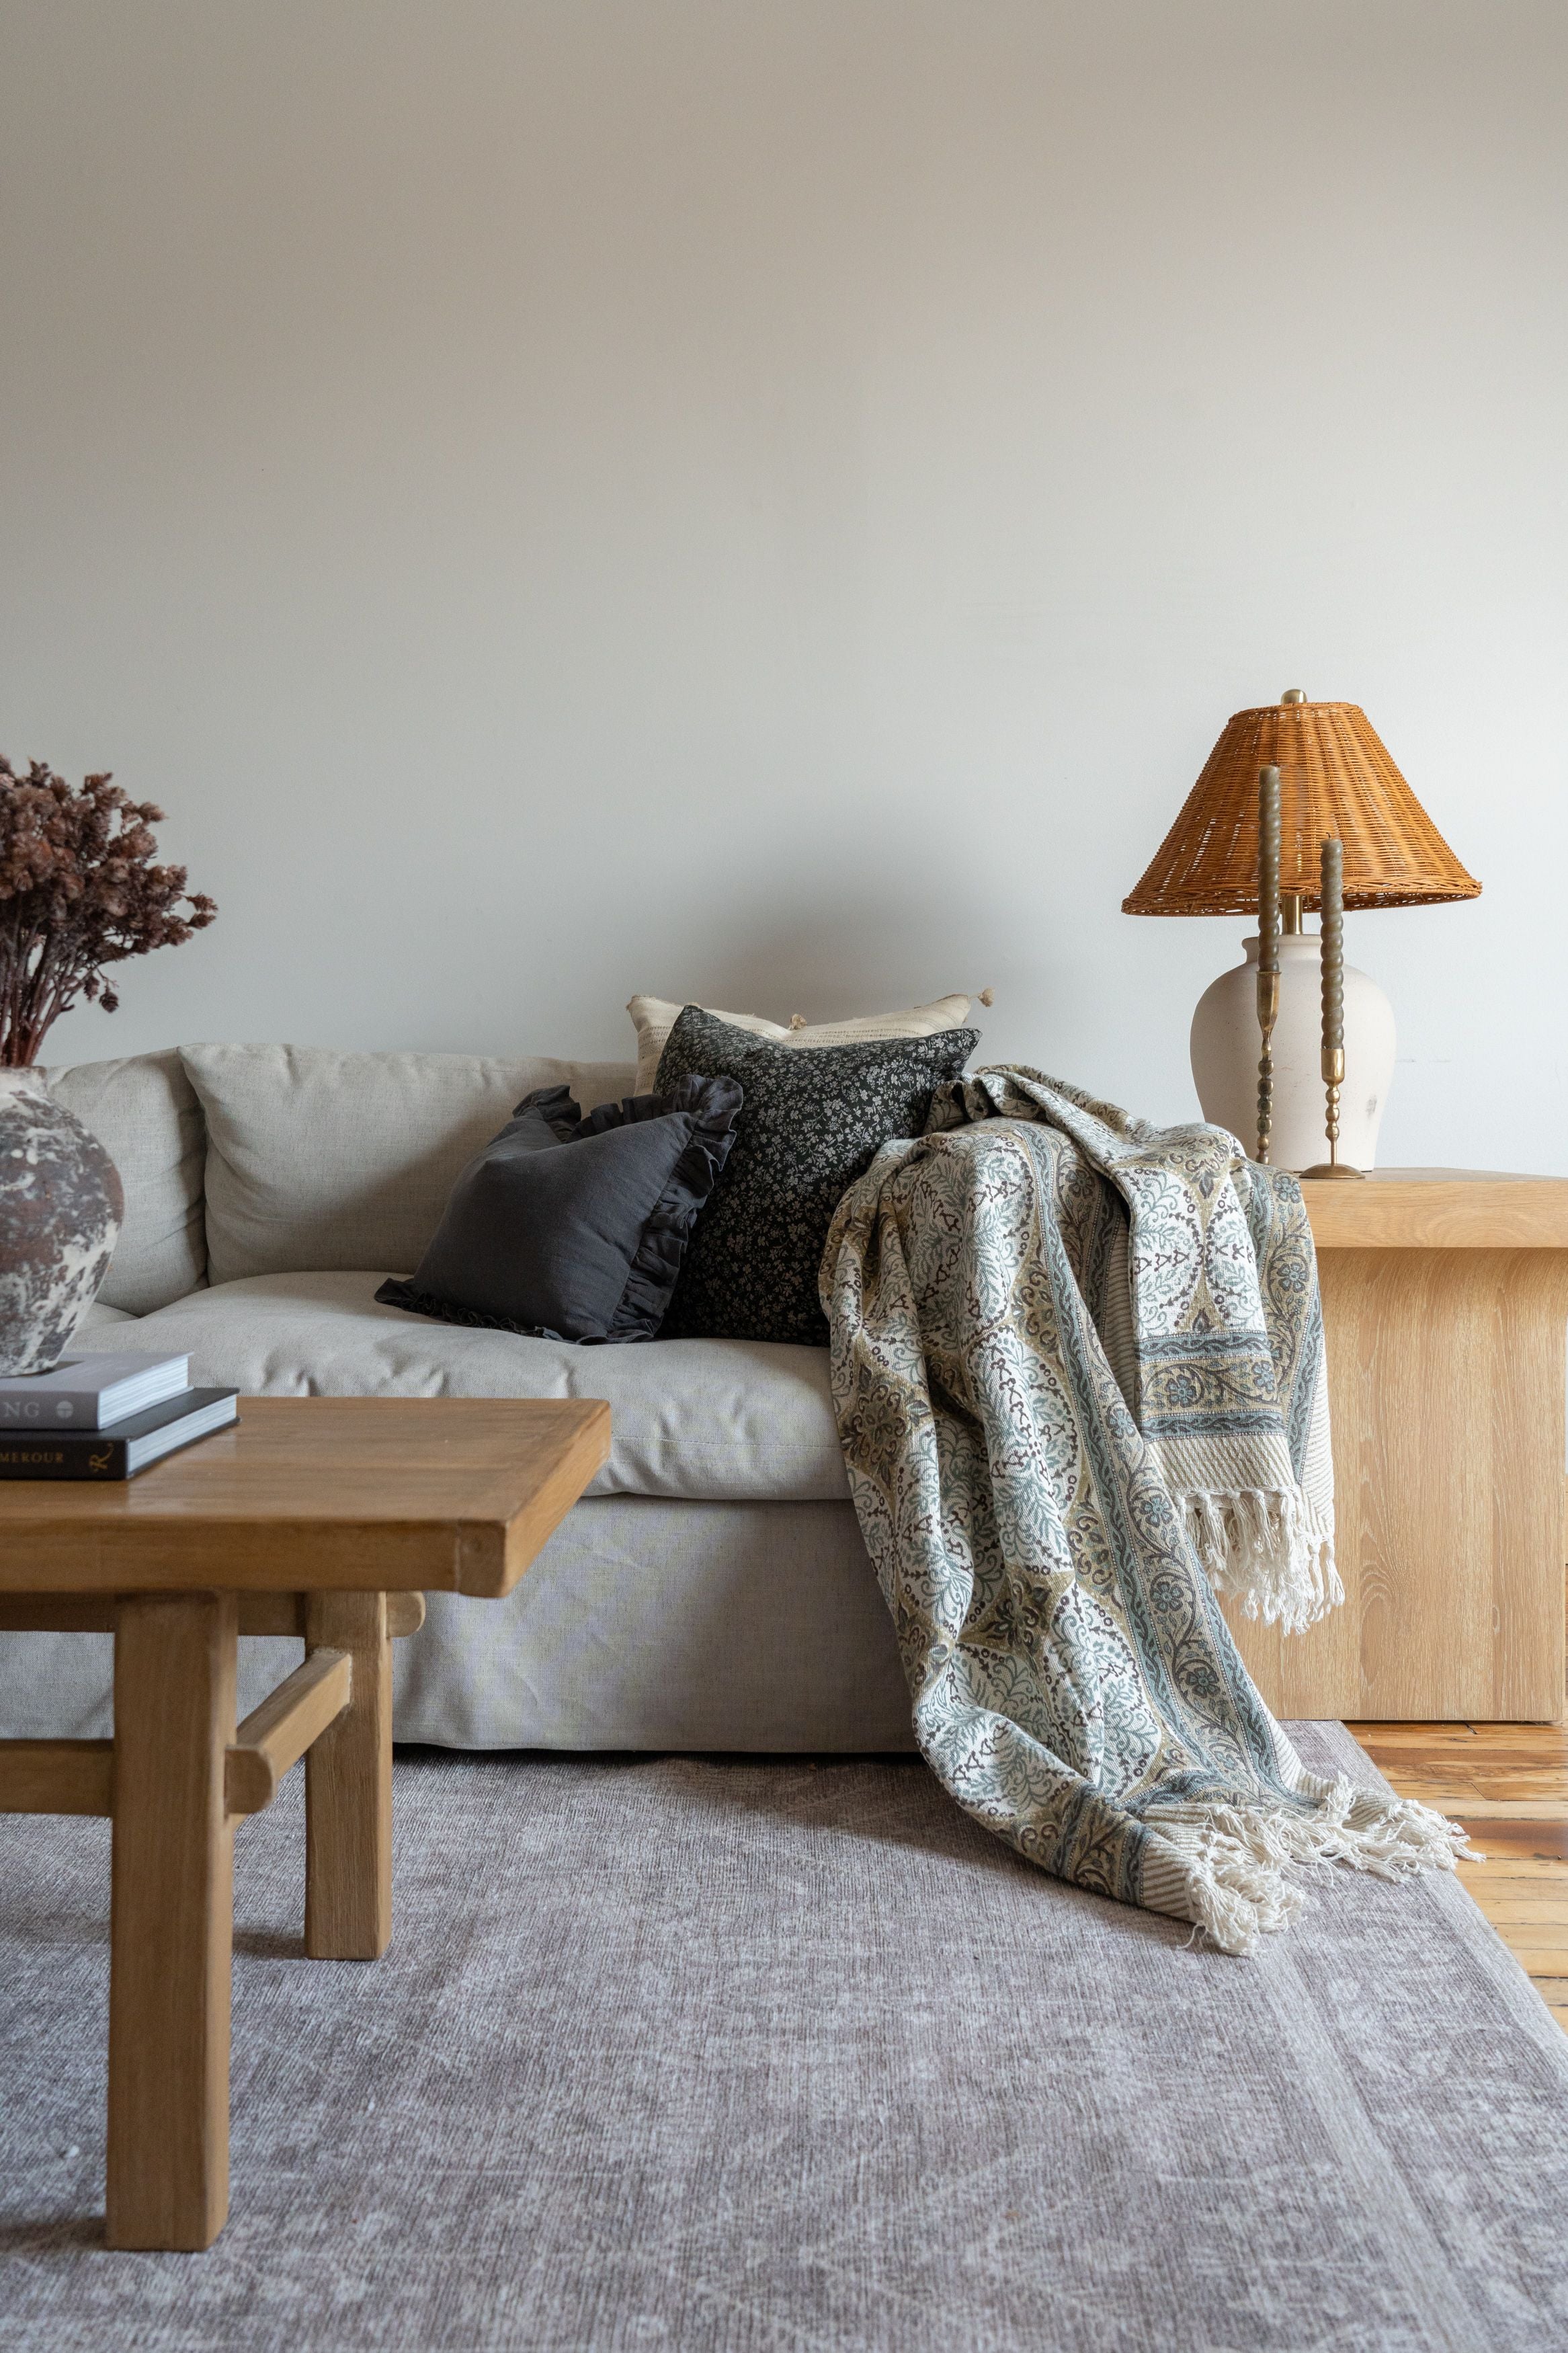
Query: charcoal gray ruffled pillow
[(813, 1121), (573, 1228)]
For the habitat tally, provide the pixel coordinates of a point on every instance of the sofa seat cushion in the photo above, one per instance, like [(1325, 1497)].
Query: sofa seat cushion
[(100, 1317), (712, 1421)]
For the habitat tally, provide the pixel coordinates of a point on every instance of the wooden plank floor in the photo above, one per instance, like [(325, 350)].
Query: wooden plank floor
[(1507, 1783)]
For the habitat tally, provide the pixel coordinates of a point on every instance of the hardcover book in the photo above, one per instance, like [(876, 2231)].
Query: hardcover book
[(120, 1452), (90, 1392)]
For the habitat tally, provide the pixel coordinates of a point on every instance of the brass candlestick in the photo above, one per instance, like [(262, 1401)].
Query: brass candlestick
[(1333, 955), (1267, 945)]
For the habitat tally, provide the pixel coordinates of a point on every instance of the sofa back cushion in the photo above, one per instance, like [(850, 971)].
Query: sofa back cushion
[(324, 1161), (145, 1112)]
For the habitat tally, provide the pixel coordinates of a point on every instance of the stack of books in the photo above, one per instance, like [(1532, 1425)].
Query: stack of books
[(103, 1417)]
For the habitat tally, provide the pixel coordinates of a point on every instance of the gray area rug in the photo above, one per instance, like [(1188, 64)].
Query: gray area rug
[(727, 2054)]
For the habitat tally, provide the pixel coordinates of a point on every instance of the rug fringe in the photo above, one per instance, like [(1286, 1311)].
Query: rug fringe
[(1234, 1861), (1270, 1551)]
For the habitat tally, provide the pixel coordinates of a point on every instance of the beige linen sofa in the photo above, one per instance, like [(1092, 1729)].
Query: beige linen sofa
[(710, 1592)]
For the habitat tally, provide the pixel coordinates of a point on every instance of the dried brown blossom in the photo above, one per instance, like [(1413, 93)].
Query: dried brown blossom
[(78, 891)]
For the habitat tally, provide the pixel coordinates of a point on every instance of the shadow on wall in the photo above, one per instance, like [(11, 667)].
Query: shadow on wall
[(849, 954)]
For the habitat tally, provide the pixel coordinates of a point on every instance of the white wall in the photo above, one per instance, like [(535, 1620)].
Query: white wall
[(773, 500)]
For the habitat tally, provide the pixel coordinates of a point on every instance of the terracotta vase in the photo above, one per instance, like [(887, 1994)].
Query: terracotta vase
[(60, 1207)]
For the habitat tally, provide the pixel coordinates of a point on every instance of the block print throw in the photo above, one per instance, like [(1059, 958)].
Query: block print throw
[(1077, 1366)]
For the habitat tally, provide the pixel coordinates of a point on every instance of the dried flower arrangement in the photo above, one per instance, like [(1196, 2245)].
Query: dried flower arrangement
[(78, 891)]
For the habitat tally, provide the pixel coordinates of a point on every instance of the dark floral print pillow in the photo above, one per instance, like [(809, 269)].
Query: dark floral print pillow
[(812, 1120)]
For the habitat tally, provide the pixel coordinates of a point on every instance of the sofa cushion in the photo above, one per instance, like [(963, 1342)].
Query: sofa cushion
[(145, 1113), (570, 1228), (330, 1160), (653, 1019), (811, 1125), (99, 1318), (713, 1420)]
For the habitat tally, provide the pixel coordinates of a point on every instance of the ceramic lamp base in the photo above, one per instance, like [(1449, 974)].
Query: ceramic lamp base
[(1225, 1046)]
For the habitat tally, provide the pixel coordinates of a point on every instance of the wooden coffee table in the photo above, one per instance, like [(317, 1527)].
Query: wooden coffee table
[(329, 1518)]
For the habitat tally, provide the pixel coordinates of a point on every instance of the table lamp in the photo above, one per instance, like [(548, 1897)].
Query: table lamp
[(1337, 783)]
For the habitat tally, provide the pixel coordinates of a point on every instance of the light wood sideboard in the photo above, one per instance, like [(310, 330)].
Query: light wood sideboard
[(1445, 1316)]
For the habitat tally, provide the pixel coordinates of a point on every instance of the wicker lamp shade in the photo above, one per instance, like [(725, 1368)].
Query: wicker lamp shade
[(1335, 778)]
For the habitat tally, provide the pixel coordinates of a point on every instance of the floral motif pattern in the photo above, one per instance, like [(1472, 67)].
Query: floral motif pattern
[(812, 1120), (1075, 1685)]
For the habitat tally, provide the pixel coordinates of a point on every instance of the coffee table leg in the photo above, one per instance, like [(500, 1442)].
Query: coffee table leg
[(348, 1788), (173, 1922)]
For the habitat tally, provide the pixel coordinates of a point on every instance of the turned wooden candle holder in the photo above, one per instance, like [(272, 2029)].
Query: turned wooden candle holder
[(1332, 952)]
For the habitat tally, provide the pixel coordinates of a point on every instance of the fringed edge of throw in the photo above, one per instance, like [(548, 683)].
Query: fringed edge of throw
[(1270, 1551), (1226, 1867)]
